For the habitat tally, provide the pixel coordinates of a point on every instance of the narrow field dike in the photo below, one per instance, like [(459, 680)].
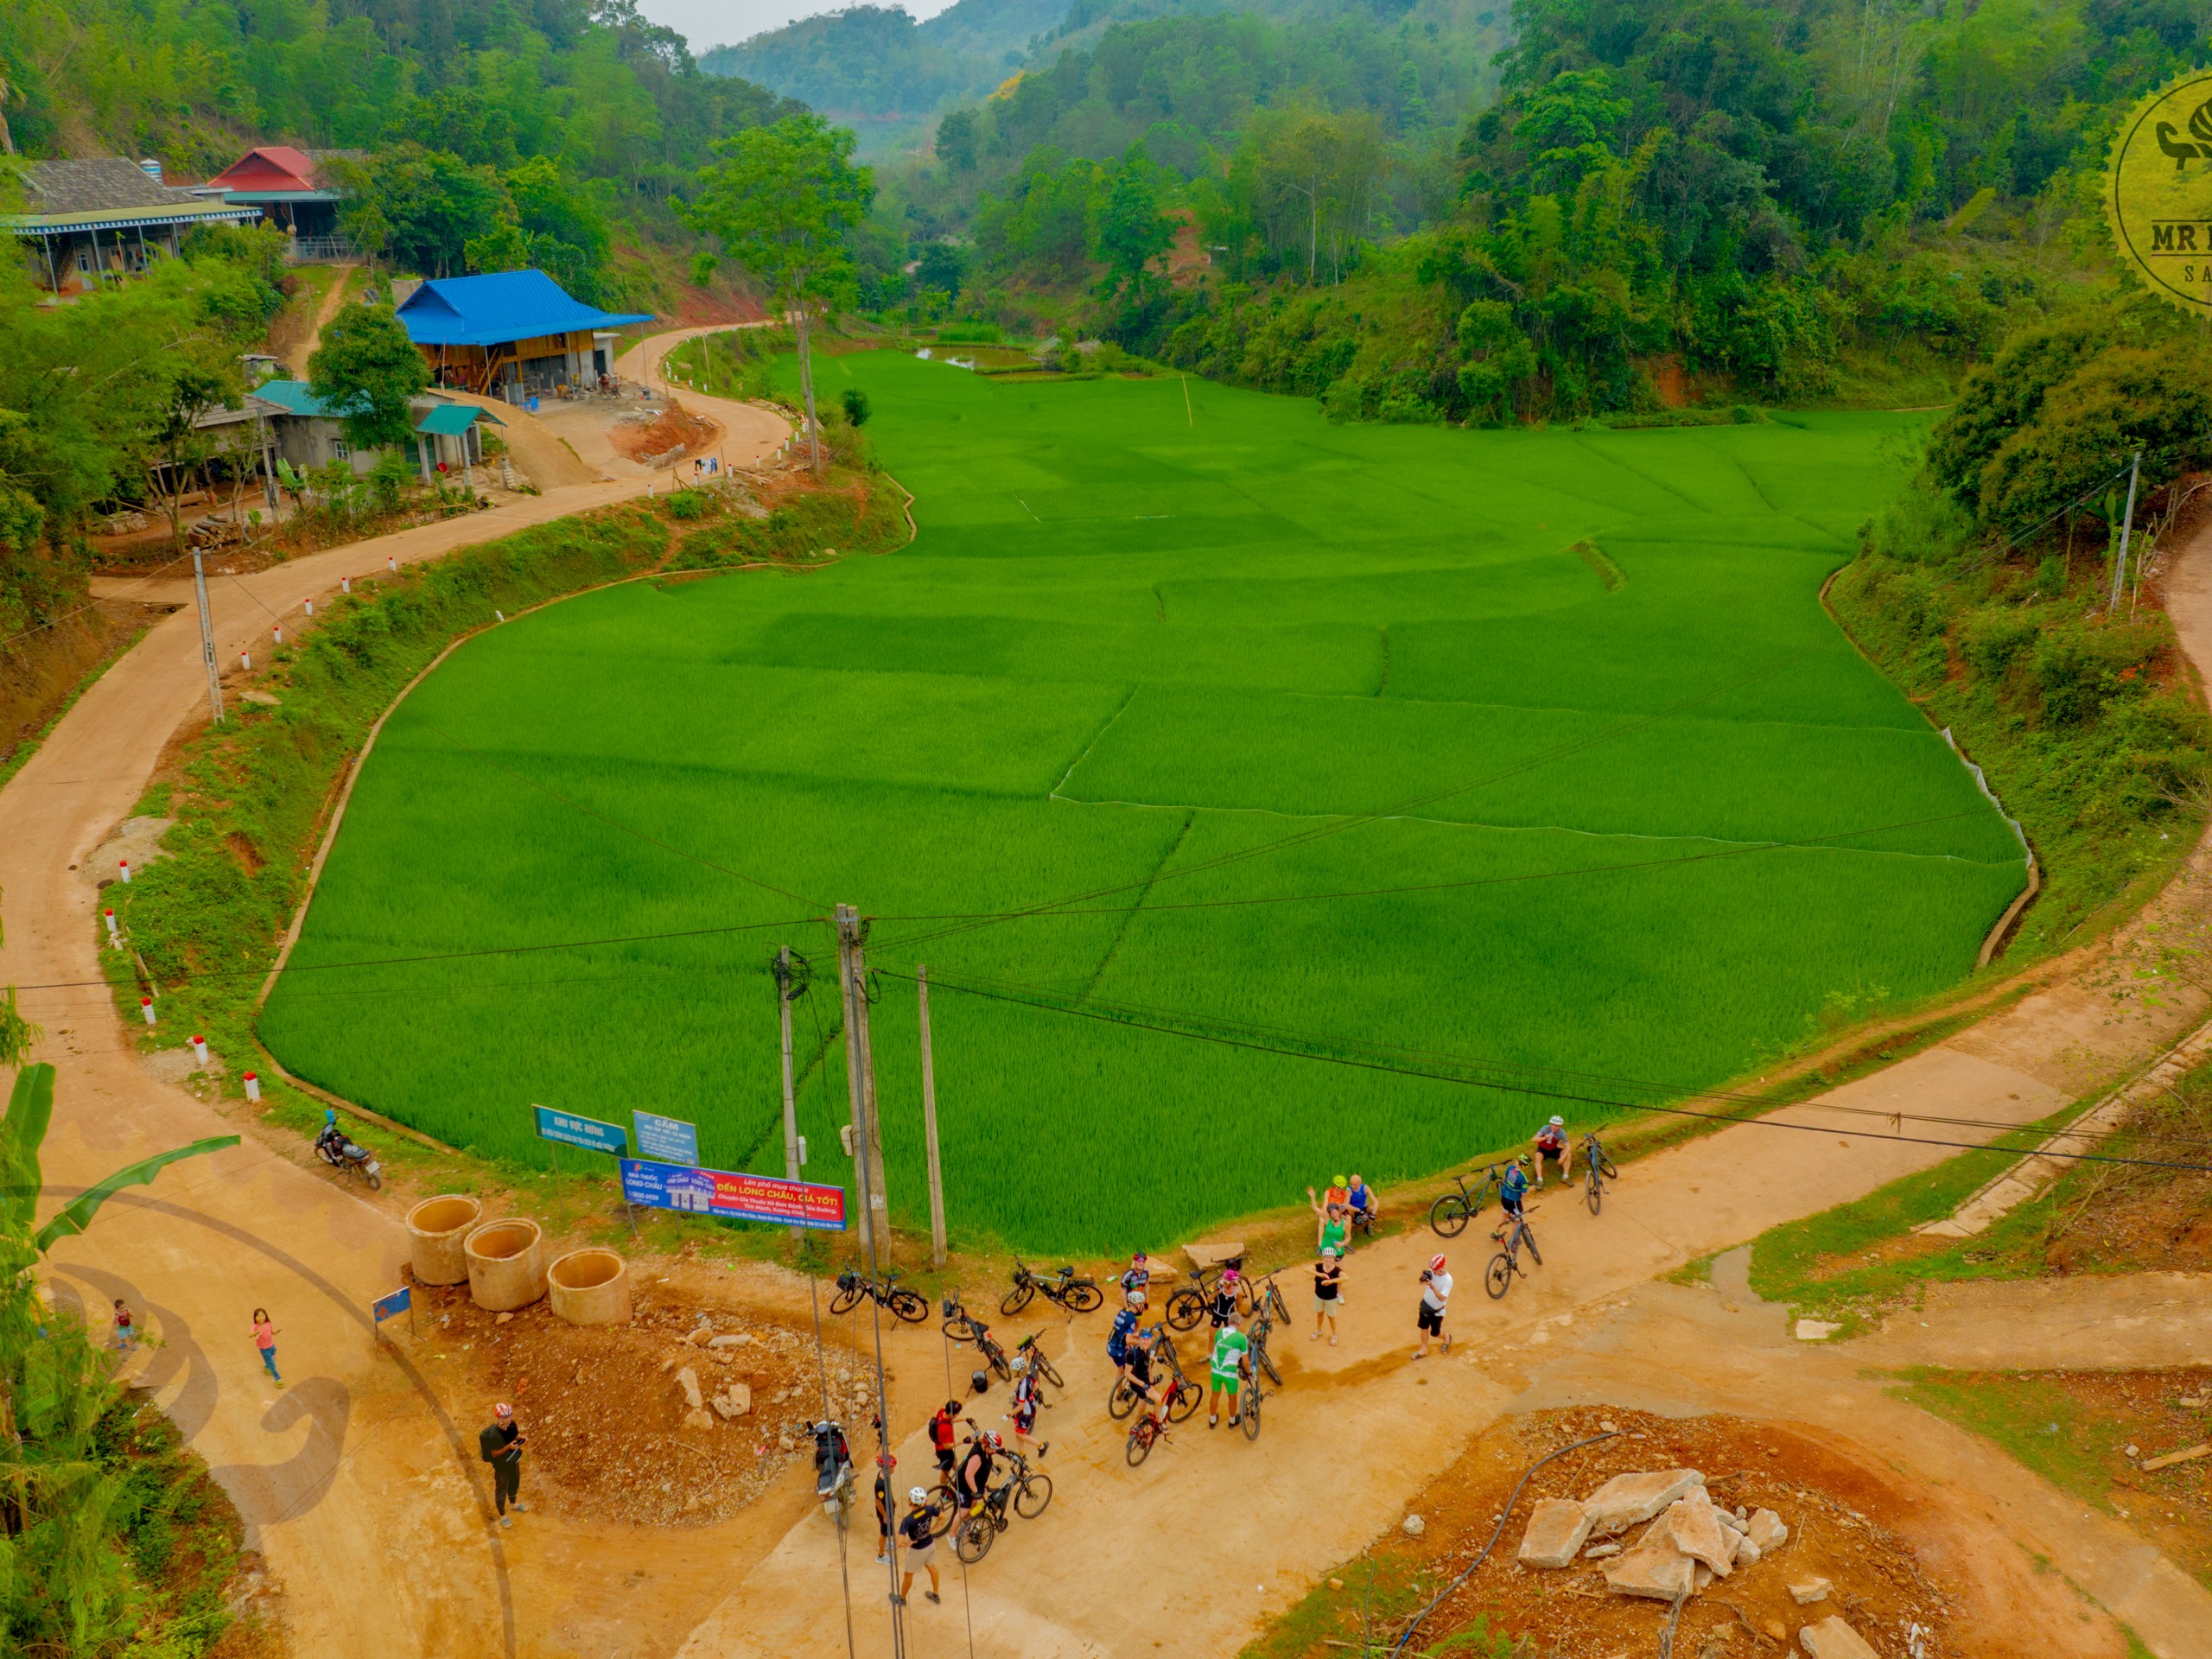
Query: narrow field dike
[(1162, 733)]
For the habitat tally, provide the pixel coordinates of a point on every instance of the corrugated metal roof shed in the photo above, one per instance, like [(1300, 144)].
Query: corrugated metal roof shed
[(492, 310)]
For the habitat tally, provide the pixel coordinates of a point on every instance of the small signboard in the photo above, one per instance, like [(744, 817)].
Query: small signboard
[(669, 1139), (736, 1196), (392, 1306), (586, 1132)]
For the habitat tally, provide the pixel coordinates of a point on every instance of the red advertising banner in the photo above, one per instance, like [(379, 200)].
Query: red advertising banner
[(740, 1197)]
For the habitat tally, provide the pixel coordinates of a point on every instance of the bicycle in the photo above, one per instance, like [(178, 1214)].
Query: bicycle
[(1263, 1327), (1078, 1292), (1188, 1304), (1144, 1434), (963, 1327), (1449, 1215), (1031, 1349), (852, 1289), (1598, 1170), (1506, 1262), (1123, 1398), (1253, 1394), (1026, 1492)]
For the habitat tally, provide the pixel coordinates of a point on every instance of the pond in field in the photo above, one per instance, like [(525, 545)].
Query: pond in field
[(1190, 749)]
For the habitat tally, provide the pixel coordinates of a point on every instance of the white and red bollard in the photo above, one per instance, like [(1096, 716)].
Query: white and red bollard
[(278, 632), (345, 584), (146, 1007), (200, 1051), (391, 563), (308, 606), (114, 937), (246, 661), (252, 1087), (502, 615), (124, 864)]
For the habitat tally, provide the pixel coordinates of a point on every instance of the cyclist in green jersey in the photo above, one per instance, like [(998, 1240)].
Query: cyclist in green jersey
[(1231, 1354)]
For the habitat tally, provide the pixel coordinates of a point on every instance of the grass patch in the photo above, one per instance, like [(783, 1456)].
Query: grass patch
[(1177, 660)]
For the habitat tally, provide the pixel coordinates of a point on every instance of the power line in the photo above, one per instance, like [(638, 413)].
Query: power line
[(1560, 1091)]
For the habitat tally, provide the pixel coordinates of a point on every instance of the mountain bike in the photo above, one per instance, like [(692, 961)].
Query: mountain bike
[(1182, 1400), (964, 1327), (1450, 1214), (905, 1304), (1123, 1398), (1257, 1337), (1267, 1300), (1598, 1169), (1253, 1394), (1026, 1492), (1031, 1349), (1188, 1304), (1506, 1262), (1078, 1292)]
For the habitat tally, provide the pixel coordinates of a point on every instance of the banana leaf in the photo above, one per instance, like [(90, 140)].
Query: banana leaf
[(30, 1105), (77, 1214)]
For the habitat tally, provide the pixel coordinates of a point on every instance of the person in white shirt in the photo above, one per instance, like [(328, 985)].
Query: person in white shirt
[(1435, 1294)]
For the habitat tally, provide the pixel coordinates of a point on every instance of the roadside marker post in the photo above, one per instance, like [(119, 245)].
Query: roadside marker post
[(113, 937), (252, 1087), (146, 1006), (200, 1051), (390, 1307), (124, 865)]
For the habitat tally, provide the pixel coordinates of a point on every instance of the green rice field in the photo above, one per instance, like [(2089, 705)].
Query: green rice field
[(1570, 695)]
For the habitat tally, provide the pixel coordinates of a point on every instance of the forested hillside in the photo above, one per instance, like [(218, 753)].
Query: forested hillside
[(1743, 198)]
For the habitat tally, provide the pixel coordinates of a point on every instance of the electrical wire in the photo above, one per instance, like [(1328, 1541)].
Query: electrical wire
[(1557, 1092), (821, 1358)]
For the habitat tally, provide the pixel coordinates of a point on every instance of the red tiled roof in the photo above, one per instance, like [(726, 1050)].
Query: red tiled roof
[(270, 167)]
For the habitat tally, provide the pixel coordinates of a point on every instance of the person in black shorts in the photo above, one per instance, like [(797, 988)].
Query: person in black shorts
[(944, 1436)]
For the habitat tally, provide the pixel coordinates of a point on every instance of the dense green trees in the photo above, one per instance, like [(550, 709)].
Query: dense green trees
[(367, 366)]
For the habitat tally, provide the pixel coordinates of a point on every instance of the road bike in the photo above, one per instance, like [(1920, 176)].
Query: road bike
[(964, 1327), (1078, 1292), (1024, 1491), (1450, 1214), (1598, 1169), (1506, 1262), (853, 1288), (1031, 1349), (1182, 1400)]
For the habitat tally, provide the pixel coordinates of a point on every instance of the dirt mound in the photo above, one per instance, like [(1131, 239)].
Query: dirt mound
[(604, 1406), (1832, 1507), (673, 428)]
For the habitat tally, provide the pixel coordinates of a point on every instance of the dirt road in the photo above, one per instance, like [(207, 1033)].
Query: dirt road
[(361, 1482)]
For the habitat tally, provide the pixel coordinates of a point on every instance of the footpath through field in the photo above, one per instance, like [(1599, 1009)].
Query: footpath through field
[(363, 1487)]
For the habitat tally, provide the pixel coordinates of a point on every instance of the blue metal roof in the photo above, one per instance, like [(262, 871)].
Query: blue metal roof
[(494, 310)]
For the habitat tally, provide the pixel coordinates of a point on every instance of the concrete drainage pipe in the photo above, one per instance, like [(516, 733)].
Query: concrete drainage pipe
[(590, 1287), (506, 1265), (435, 1228)]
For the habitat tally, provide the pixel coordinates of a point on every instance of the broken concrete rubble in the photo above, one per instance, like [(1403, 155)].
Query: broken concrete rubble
[(1626, 1499), (1556, 1532), (1833, 1639)]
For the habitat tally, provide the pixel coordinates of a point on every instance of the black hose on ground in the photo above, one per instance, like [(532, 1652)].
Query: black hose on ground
[(1505, 1515)]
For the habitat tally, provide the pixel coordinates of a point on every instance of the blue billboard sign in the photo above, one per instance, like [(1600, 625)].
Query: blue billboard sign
[(670, 1140), (586, 1132)]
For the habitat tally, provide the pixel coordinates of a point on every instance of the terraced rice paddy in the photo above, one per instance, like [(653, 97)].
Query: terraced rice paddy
[(1180, 663)]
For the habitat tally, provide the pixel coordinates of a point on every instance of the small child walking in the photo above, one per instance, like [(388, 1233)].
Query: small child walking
[(264, 1337), (126, 1332)]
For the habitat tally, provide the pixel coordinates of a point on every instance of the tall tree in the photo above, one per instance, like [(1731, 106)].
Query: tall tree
[(367, 368), (783, 200), (1133, 230)]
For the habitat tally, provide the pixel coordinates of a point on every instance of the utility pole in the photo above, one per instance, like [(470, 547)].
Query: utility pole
[(2127, 525), (207, 639), (791, 1096), (859, 1081), (929, 1126)]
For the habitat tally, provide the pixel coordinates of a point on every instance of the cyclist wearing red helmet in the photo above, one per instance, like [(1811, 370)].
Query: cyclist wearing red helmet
[(1435, 1294)]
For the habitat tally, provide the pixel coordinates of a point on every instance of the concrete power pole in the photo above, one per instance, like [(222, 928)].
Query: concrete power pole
[(929, 1126), (2127, 525), (790, 1095), (207, 639), (860, 1080)]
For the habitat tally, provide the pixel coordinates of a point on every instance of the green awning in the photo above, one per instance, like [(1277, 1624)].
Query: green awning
[(451, 420)]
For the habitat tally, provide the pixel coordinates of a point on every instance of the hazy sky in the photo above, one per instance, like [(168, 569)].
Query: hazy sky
[(718, 22)]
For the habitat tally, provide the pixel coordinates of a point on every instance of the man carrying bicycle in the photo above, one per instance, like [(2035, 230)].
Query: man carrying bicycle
[(1553, 1147), (1232, 1360)]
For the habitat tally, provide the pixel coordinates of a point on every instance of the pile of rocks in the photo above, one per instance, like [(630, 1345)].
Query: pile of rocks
[(1687, 1541)]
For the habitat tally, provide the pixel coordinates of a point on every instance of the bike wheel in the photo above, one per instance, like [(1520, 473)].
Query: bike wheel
[(1031, 1495), (1184, 1309), (960, 1328), (376, 1183), (1252, 1416), (1186, 1402), (976, 1536), (945, 1517), (1499, 1279), (1043, 1367), (1084, 1299), (1267, 1365), (1121, 1399), (910, 1305), (1017, 1298), (846, 1301), (1596, 1195), (1448, 1216), (997, 1356), (1530, 1239), (1140, 1443), (1606, 1165)]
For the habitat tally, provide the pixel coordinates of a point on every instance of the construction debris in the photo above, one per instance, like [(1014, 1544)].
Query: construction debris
[(1688, 1541)]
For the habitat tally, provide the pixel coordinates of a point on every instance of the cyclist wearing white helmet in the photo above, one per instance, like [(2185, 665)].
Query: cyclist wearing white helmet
[(1125, 1326), (1027, 1398), (1553, 1148), (918, 1533)]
